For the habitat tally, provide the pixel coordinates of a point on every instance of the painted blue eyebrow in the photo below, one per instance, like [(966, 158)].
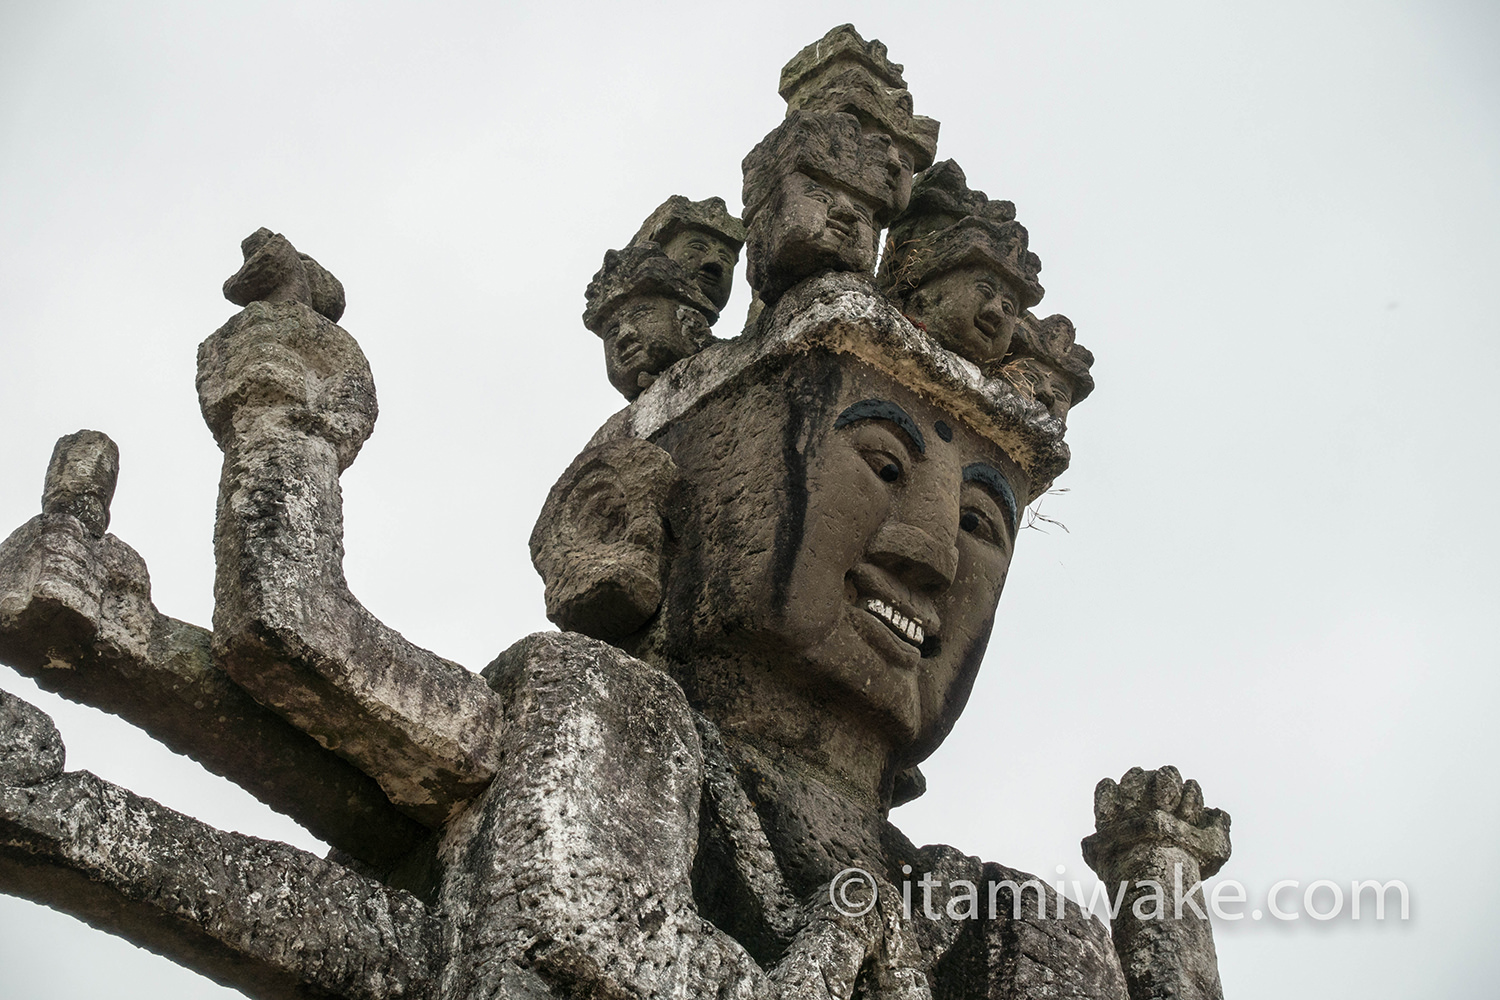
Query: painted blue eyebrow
[(988, 475), (880, 409)]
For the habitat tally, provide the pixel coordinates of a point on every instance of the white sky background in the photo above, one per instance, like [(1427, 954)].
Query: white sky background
[(1275, 226)]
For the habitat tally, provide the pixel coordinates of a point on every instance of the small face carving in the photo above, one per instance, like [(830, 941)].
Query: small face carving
[(1045, 383), (891, 529), (898, 167), (825, 227), (598, 541), (647, 335), (708, 259), (970, 310)]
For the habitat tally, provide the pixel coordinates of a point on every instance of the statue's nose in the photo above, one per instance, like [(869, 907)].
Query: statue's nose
[(915, 556)]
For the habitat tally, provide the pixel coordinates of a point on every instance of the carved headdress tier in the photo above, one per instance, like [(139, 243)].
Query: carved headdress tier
[(839, 314), (677, 213), (946, 226), (843, 72), (639, 270), (1049, 364), (828, 147)]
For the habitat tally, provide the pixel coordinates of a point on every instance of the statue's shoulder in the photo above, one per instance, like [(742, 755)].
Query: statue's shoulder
[(555, 678)]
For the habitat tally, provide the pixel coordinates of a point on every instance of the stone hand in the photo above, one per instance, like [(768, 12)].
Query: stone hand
[(1150, 810), (1154, 829), (280, 367), (58, 561)]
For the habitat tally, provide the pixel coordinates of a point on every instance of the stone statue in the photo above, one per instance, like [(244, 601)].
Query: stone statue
[(777, 571), (958, 265), (842, 72)]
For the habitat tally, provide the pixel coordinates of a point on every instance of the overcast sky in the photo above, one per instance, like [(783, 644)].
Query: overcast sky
[(1275, 226)]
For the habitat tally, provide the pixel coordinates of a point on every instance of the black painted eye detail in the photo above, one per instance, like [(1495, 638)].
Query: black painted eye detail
[(890, 472), (978, 524)]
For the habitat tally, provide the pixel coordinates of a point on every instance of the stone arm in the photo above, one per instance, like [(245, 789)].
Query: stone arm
[(76, 616), (577, 862), (290, 400), (254, 915), (1153, 828)]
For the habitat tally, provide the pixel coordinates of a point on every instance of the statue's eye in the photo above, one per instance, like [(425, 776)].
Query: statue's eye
[(976, 524), (884, 464)]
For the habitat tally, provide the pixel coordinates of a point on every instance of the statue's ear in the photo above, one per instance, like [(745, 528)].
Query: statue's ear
[(599, 542)]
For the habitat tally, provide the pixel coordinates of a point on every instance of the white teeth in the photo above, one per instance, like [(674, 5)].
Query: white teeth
[(908, 627)]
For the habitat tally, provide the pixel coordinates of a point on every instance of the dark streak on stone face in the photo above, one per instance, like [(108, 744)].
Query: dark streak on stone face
[(808, 407)]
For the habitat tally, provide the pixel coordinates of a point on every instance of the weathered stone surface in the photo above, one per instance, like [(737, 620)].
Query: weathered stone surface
[(76, 616), (843, 314), (578, 861), (1029, 954), (1046, 363), (600, 540), (275, 272), (817, 192), (258, 916), (959, 266), (793, 542), (81, 479), (1153, 827), (31, 750), (290, 400)]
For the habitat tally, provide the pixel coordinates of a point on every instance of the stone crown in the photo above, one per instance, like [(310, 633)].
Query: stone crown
[(829, 147), (639, 269), (677, 213), (843, 72), (947, 225)]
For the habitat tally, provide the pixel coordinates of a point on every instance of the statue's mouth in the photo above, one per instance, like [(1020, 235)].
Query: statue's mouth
[(844, 231), (627, 348), (906, 627)]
